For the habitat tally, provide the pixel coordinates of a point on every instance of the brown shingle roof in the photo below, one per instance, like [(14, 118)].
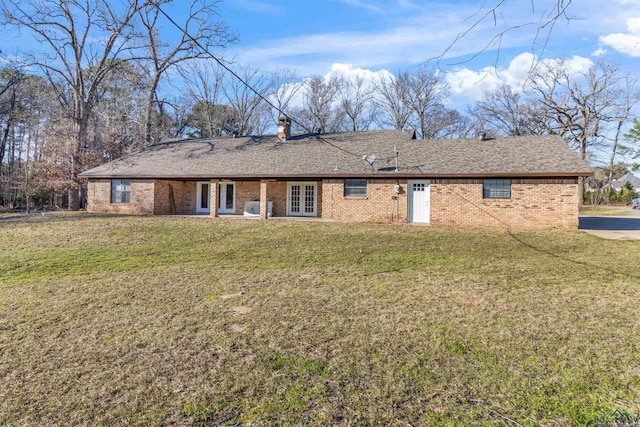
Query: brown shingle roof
[(340, 155)]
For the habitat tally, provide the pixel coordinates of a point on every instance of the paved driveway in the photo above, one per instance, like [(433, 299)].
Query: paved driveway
[(613, 227)]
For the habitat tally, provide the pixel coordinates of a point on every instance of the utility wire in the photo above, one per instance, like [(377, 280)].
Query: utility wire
[(245, 83), (517, 238)]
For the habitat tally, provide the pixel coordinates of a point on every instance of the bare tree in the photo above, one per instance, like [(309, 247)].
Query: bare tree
[(540, 25), (424, 94), (83, 40), (390, 95), (200, 31), (355, 98), (578, 106), (208, 115), (319, 111), (118, 118), (443, 123), (285, 86), (251, 111), (506, 111), (629, 97), (177, 111)]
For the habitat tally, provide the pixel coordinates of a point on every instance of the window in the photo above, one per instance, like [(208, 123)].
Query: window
[(496, 189), (355, 187), (418, 186), (120, 190)]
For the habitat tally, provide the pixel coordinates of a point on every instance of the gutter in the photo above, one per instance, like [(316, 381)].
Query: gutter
[(381, 175)]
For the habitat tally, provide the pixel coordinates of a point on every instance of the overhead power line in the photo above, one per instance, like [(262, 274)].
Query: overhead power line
[(245, 83)]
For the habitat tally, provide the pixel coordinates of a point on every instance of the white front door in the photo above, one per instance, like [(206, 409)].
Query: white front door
[(227, 198), (202, 197), (419, 198), (302, 198)]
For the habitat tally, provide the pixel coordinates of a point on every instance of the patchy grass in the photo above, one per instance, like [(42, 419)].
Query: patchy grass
[(188, 321), (608, 210)]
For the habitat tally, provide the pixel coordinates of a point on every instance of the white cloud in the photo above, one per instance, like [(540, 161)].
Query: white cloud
[(340, 71), (599, 52), (624, 43), (633, 25), (473, 84), (405, 44), (346, 71), (382, 8), (258, 6), (466, 85), (365, 5), (418, 37), (421, 35), (627, 43), (628, 2)]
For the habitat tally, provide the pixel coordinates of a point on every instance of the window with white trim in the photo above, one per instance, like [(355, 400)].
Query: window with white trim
[(120, 190), (496, 189), (355, 188)]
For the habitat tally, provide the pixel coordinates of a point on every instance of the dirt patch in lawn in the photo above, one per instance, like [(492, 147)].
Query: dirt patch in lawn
[(190, 321), (241, 309)]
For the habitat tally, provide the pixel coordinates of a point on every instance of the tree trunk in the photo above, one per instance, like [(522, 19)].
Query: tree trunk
[(612, 160), (150, 101), (583, 156), (72, 191), (580, 190)]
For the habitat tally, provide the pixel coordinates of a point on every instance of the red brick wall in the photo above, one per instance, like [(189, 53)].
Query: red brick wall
[(245, 191), (163, 203), (142, 197), (184, 197), (382, 204), (278, 195), (533, 203)]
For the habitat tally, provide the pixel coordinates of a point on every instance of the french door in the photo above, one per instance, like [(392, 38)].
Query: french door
[(227, 194), (302, 198), (202, 197)]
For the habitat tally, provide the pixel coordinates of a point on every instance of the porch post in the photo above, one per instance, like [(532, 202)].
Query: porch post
[(264, 200), (213, 198)]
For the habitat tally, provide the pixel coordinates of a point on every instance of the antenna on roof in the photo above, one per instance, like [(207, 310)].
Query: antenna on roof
[(396, 153), (369, 159)]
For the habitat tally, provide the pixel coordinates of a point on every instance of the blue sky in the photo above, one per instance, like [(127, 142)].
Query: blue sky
[(312, 35), (366, 37), (321, 37)]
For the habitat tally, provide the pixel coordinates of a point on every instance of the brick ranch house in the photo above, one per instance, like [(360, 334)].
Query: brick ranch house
[(516, 181)]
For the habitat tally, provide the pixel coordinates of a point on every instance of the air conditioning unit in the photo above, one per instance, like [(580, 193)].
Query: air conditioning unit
[(252, 208)]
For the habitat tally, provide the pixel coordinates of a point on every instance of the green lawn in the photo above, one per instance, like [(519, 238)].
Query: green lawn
[(191, 321), (607, 210)]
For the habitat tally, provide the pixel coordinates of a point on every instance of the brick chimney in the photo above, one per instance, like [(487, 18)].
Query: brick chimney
[(284, 128)]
